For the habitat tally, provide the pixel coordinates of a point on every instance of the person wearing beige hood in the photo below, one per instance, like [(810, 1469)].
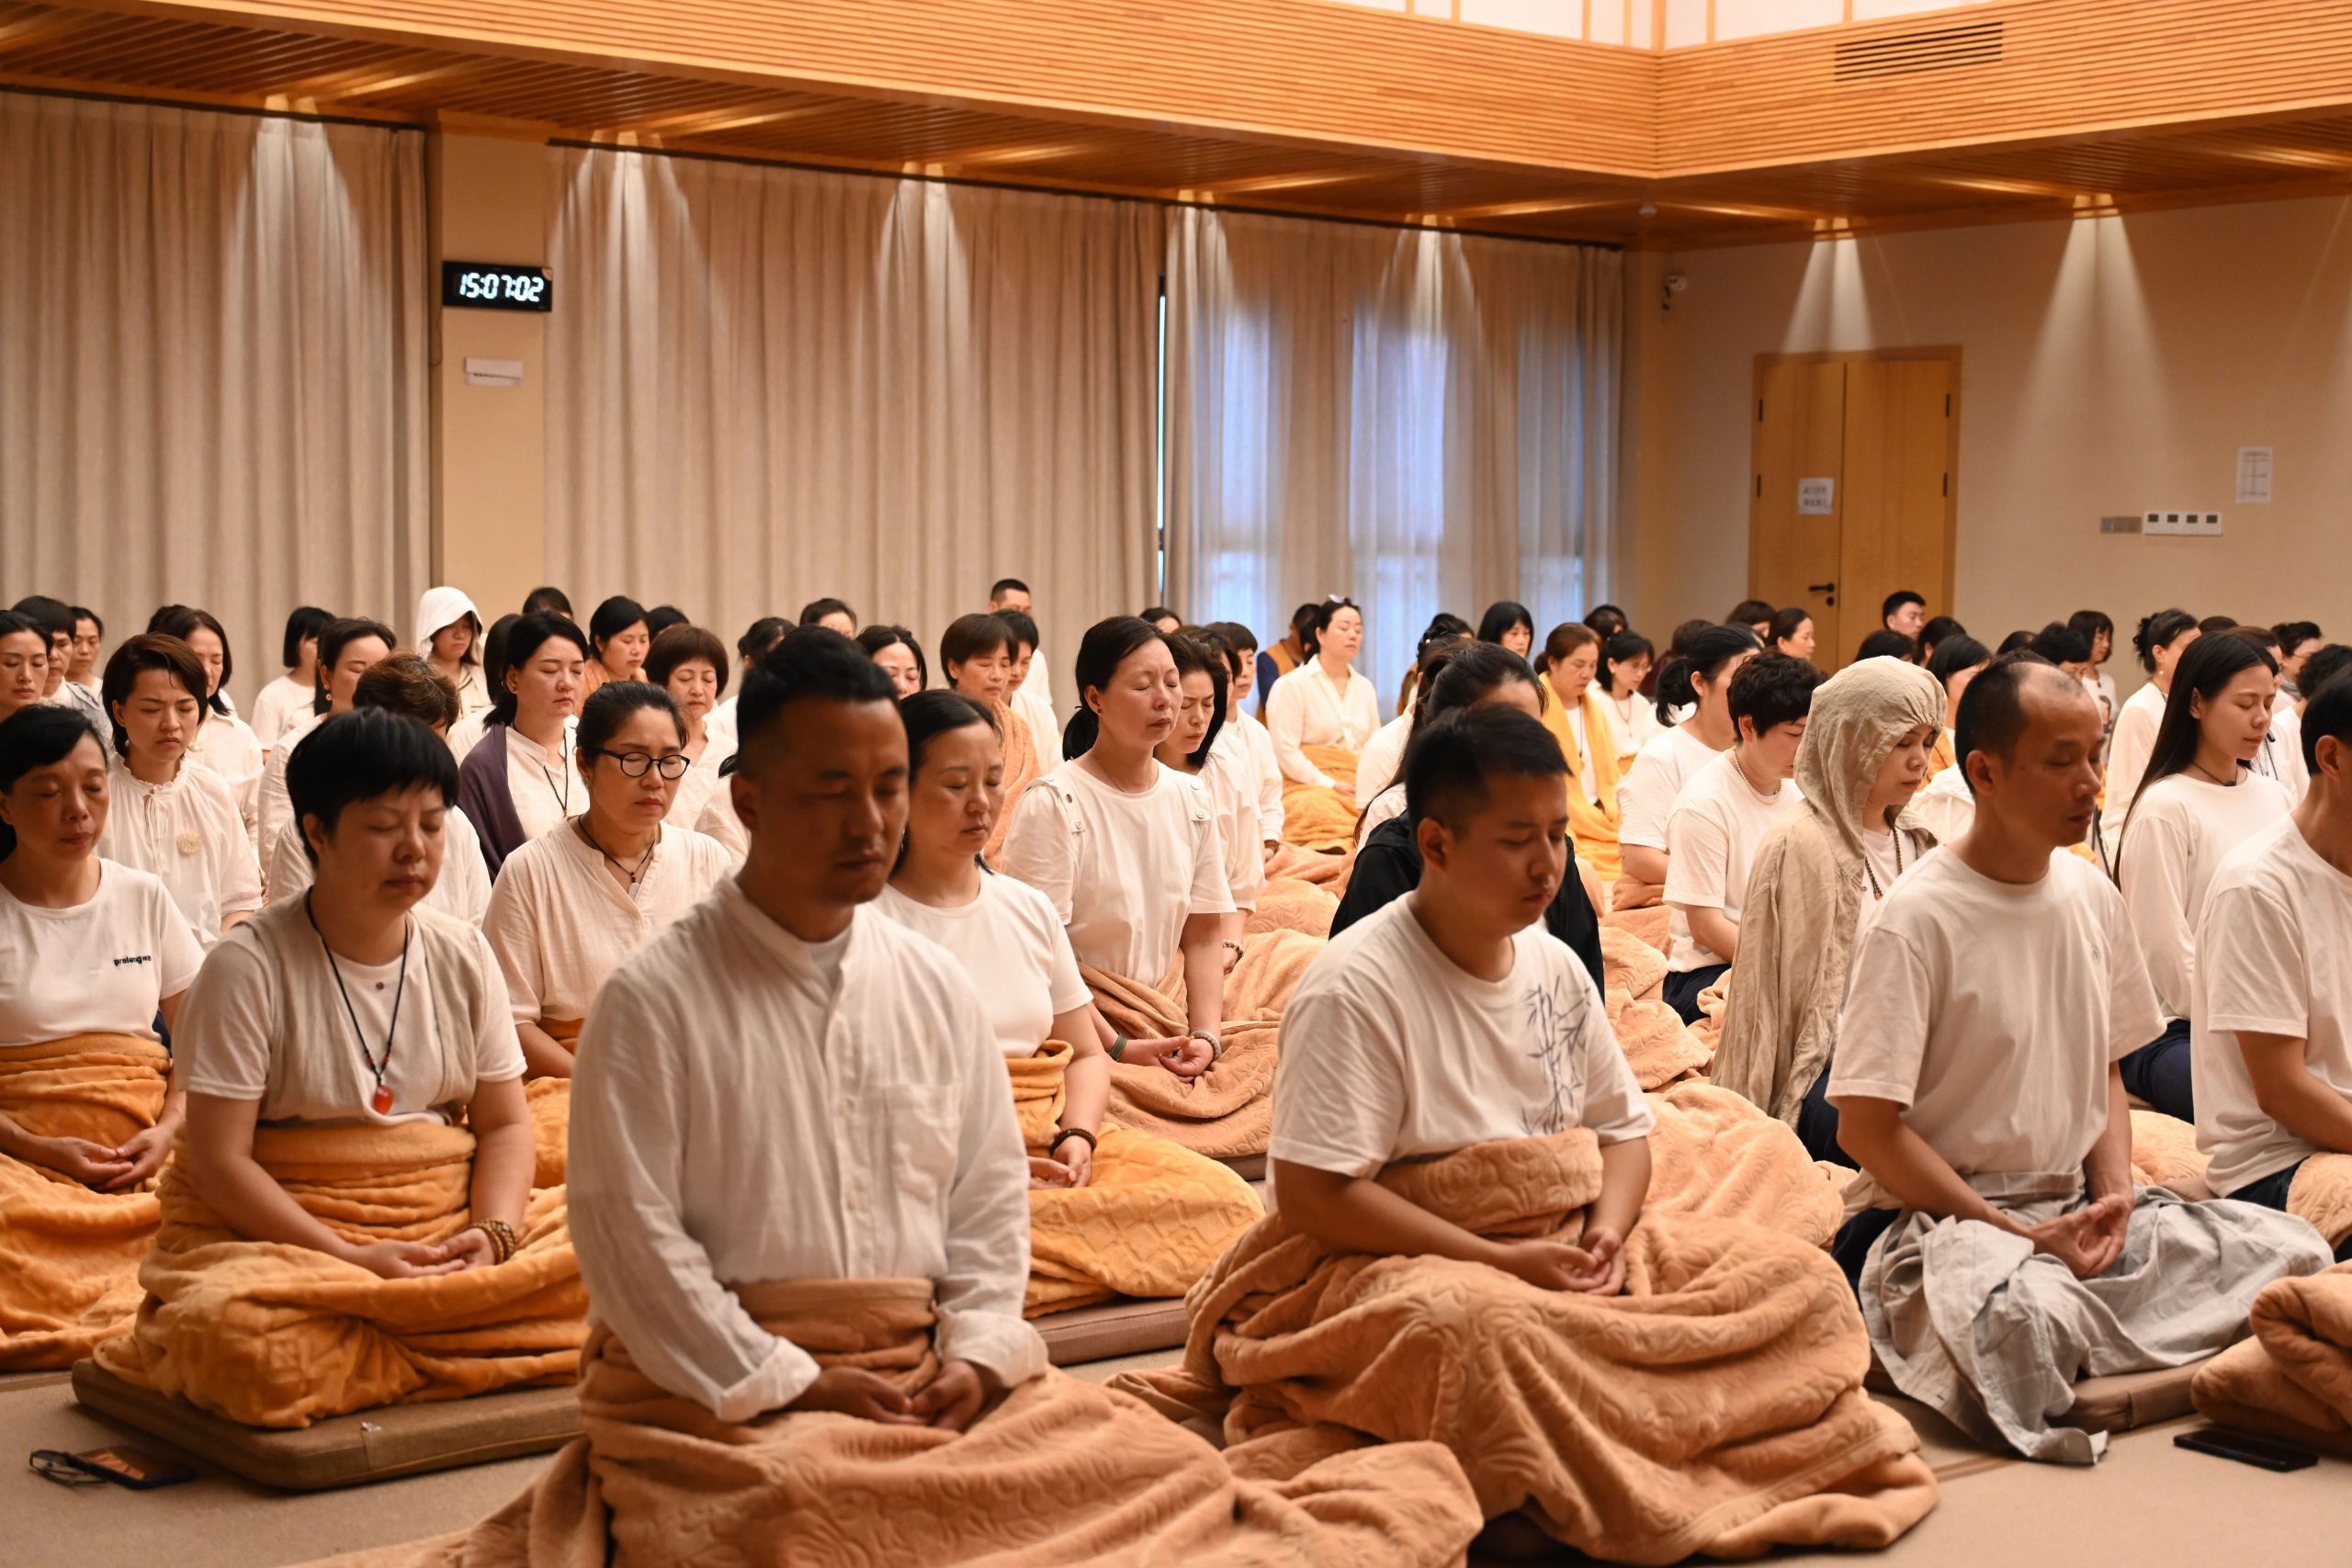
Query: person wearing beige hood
[(1817, 880), (448, 633)]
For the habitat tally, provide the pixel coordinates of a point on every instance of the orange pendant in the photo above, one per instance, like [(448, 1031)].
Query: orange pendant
[(382, 1101)]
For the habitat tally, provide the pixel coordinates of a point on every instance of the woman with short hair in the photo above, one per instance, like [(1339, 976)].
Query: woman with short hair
[(176, 822), (1579, 720), (1625, 659), (1509, 623), (1699, 680), (620, 638), (571, 905), (691, 664), (522, 780), (347, 648), (976, 654)]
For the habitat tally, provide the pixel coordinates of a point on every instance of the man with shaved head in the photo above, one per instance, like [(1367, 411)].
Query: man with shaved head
[(2005, 1248)]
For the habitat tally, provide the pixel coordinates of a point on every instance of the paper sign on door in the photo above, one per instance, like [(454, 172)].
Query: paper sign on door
[(1816, 498)]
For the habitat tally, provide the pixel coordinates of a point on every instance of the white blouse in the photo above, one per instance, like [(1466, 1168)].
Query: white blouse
[(280, 705), (276, 805), (545, 786), (187, 833), (750, 1107), (227, 745), (561, 922), (1307, 707), (700, 782)]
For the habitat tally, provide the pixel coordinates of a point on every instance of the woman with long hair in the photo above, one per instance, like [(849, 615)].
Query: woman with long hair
[(1194, 747), (1699, 680), (1625, 659), (23, 663), (898, 654), (1792, 633), (620, 638), (1816, 883), (1510, 624), (1444, 624), (98, 954), (2198, 799), (1247, 733), (171, 820), (1954, 664), (522, 779), (1577, 717), (226, 743), (286, 701)]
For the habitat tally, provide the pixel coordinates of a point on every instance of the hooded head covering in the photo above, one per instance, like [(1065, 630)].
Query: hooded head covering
[(442, 607), (1797, 927)]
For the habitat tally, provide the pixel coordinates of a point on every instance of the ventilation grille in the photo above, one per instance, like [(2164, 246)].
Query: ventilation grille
[(1913, 54)]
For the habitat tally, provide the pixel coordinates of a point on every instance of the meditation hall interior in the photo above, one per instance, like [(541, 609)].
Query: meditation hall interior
[(1067, 784)]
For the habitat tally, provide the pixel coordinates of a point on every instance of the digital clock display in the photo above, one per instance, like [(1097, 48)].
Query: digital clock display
[(495, 286)]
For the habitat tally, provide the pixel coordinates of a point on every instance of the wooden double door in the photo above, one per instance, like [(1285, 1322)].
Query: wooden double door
[(1855, 488)]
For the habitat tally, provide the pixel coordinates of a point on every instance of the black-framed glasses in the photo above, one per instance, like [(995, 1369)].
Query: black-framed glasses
[(636, 765)]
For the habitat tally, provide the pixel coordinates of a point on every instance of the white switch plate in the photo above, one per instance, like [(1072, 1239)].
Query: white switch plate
[(2182, 523)]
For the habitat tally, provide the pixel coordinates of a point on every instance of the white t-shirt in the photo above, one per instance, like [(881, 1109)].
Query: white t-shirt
[(280, 704), (1893, 852), (1646, 797), (227, 745), (462, 890), (1231, 781), (1385, 807), (1267, 771), (1012, 943), (228, 1040), (1124, 871), (1390, 1050), (2281, 757), (276, 807), (560, 921), (1384, 757), (1992, 1011), (1712, 836), (700, 782), (1945, 806), (2128, 750), (719, 824), (1632, 718), (2180, 832), (187, 833), (101, 968), (2275, 950)]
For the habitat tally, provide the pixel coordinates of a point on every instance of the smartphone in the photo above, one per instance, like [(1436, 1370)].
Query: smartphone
[(134, 1468), (2264, 1453)]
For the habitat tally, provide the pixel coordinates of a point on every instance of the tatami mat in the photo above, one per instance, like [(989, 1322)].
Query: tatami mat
[(2148, 1506)]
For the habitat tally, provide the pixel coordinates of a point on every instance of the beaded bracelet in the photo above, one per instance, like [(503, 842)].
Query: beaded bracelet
[(1067, 1134)]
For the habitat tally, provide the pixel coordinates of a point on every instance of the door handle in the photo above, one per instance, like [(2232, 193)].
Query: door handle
[(1821, 588)]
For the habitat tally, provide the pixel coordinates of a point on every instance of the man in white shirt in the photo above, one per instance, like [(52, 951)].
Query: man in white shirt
[(1976, 1085), (2271, 1031)]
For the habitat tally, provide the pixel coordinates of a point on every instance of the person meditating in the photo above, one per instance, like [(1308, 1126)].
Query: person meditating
[(407, 684), (1720, 818), (2160, 641), (448, 635), (573, 903), (1113, 1211), (355, 1129), (1817, 883), (1697, 679), (1320, 715), (1459, 1250), (2272, 1040), (520, 781), (691, 664), (226, 744), (98, 954), (2004, 1248), (347, 648), (177, 821), (1193, 749), (2198, 799), (976, 654), (1576, 714)]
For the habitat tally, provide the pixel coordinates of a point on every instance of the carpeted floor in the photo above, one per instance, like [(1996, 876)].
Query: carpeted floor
[(2148, 1506)]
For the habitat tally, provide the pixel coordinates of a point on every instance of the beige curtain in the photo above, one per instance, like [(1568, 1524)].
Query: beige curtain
[(767, 385), (1421, 421), (213, 366)]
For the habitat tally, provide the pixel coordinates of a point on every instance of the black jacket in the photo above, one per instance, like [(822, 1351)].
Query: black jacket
[(1388, 866)]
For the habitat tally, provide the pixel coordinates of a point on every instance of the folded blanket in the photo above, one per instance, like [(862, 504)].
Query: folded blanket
[(551, 1111), (1629, 894), (2322, 1193), (1150, 1220), (1716, 1407), (69, 1256), (2293, 1378), (1058, 1471), (274, 1334), (1288, 904), (1228, 1111), (1315, 816), (1660, 1046), (1329, 872), (1650, 923), (1717, 1154)]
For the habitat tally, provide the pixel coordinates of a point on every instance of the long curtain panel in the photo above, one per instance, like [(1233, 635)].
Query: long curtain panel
[(213, 366), (768, 385), (1420, 420)]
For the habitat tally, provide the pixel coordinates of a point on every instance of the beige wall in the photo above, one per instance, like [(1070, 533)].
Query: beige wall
[(489, 203), (2108, 365)]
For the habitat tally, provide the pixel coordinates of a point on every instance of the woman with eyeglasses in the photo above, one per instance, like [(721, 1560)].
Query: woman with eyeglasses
[(572, 904)]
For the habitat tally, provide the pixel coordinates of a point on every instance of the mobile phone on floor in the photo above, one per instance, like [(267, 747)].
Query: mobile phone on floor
[(2264, 1453), (134, 1468)]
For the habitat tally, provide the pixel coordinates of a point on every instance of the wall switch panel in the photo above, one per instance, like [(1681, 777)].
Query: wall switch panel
[(2181, 524)]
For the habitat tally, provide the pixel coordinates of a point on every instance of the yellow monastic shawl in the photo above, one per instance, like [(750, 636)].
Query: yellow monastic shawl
[(1592, 825)]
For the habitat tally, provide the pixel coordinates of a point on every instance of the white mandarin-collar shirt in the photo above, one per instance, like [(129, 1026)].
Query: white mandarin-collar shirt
[(1307, 707), (751, 1108)]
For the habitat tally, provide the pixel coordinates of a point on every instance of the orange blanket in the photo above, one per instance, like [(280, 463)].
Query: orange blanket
[(1020, 771), (69, 1256), (2165, 1154), (1293, 905), (1058, 1471), (274, 1334), (1317, 817), (1652, 1033), (1228, 1111), (2322, 1193), (551, 1111), (1715, 1406), (1716, 1155), (1150, 1220), (2293, 1378), (1329, 872)]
